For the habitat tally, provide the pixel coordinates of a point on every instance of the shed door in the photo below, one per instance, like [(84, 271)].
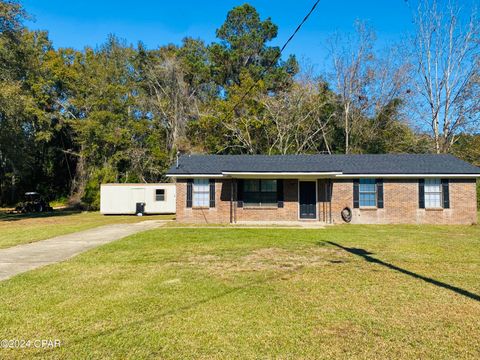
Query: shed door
[(307, 199), (138, 196)]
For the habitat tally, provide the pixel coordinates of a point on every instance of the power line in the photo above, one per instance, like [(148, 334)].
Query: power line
[(274, 61)]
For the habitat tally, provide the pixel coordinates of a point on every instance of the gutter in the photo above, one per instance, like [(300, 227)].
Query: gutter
[(406, 176), (330, 175)]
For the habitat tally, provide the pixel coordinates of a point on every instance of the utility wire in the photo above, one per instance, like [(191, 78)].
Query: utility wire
[(274, 61)]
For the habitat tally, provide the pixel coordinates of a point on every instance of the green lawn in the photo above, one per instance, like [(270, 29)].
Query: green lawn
[(386, 292), (20, 229)]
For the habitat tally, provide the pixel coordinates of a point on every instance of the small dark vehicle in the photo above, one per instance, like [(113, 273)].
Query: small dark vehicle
[(33, 203)]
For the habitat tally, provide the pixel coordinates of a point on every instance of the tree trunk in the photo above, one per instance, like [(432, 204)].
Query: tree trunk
[(79, 181), (347, 130)]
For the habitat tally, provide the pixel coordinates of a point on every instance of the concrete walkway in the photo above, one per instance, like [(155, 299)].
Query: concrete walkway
[(21, 258)]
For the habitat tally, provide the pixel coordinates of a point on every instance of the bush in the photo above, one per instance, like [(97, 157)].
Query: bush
[(91, 198)]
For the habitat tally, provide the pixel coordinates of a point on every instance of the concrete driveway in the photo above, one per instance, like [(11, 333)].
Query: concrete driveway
[(21, 258)]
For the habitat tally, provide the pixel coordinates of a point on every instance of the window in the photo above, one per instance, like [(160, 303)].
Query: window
[(368, 193), (201, 193), (260, 192), (160, 195), (433, 193)]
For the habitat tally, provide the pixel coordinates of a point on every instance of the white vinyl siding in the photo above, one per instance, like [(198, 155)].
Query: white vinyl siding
[(433, 193), (201, 193)]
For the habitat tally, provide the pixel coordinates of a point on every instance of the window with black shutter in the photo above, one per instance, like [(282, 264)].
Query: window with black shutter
[(189, 192), (380, 193), (201, 193), (445, 193), (280, 193), (421, 193), (212, 193), (356, 195), (433, 193)]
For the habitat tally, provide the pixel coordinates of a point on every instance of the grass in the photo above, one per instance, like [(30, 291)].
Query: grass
[(341, 292), (60, 202), (18, 229)]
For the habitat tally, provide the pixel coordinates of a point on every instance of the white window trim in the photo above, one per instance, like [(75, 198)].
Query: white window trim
[(440, 192), (207, 191)]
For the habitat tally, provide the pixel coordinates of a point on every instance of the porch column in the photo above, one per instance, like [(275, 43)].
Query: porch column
[(231, 201)]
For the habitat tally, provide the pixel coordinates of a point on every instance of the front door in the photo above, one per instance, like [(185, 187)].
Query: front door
[(308, 199)]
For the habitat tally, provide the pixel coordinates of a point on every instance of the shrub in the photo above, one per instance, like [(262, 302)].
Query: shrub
[(91, 197)]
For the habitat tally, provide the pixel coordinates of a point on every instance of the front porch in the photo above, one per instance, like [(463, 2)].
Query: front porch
[(304, 201)]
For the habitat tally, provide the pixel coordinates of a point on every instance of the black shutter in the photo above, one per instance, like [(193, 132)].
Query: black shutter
[(379, 193), (240, 193), (421, 193), (356, 185), (280, 193), (446, 194), (212, 192), (189, 192)]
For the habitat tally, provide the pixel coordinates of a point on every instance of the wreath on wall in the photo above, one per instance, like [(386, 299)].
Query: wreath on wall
[(347, 214)]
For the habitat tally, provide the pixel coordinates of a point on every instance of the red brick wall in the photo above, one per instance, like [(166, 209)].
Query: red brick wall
[(223, 211), (400, 205), (217, 215)]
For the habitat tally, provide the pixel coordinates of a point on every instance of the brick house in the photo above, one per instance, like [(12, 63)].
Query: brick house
[(365, 189)]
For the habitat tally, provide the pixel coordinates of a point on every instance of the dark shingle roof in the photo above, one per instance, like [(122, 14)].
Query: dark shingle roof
[(348, 164)]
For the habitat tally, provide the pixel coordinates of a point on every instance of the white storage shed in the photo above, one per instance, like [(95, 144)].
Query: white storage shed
[(135, 198)]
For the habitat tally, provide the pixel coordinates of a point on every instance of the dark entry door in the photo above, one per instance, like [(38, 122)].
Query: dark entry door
[(308, 203)]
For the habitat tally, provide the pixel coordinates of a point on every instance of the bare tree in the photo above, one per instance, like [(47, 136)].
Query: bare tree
[(352, 73), (387, 87), (389, 80), (170, 98), (242, 129), (445, 52), (299, 118)]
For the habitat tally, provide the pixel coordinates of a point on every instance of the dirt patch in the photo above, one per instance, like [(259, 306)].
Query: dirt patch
[(268, 259), (343, 330)]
